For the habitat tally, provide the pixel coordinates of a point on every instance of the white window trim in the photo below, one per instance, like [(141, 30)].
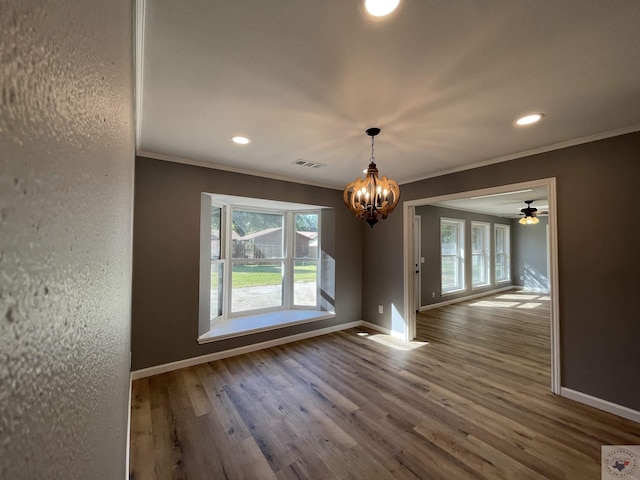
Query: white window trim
[(247, 322), (486, 254), (460, 256), (236, 261), (294, 259), (507, 253)]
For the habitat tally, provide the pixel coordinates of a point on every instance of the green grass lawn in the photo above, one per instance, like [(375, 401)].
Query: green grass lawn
[(261, 274)]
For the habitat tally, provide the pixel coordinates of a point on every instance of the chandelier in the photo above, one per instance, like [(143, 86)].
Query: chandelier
[(372, 196)]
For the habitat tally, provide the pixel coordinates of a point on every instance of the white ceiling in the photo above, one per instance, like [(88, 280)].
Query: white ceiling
[(444, 80), (506, 204)]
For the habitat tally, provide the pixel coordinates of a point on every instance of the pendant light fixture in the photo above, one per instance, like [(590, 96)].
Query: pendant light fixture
[(530, 215), (372, 196)]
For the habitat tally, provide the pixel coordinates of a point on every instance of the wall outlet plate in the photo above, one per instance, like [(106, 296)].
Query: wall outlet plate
[(380, 309)]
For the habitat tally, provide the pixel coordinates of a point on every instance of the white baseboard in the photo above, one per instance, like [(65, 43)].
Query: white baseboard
[(378, 328), (190, 362), (466, 297), (600, 404)]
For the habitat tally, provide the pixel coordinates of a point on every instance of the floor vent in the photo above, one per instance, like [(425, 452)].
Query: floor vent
[(304, 163)]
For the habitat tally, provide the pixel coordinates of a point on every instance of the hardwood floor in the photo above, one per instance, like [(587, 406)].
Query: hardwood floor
[(473, 402)]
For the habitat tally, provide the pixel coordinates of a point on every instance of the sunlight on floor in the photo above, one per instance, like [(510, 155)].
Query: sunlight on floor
[(515, 296), (529, 305), (493, 303), (394, 343), (524, 301)]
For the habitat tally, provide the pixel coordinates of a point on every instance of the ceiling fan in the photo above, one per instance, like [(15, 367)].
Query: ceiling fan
[(530, 214)]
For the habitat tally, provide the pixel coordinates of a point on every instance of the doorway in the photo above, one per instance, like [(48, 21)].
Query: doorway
[(417, 261), (411, 279)]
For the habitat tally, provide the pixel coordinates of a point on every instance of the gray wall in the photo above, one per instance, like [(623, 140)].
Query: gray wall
[(167, 251), (529, 255), (599, 260), (66, 192), (430, 272)]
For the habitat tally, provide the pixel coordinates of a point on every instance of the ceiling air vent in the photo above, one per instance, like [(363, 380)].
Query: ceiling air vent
[(304, 163)]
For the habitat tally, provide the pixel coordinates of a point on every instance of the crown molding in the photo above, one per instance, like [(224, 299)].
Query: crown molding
[(528, 153), (227, 168)]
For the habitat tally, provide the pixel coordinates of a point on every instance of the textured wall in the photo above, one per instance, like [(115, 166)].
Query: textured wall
[(599, 261), (166, 256), (66, 179)]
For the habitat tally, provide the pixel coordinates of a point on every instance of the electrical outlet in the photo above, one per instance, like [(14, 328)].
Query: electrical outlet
[(380, 309), (521, 277), (433, 294), (421, 259)]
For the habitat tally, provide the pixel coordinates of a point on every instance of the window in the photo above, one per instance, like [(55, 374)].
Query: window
[(502, 253), (480, 252), (306, 267), (260, 266), (217, 262), (452, 254), (257, 260)]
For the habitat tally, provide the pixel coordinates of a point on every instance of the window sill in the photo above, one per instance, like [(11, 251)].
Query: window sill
[(451, 292), (224, 328)]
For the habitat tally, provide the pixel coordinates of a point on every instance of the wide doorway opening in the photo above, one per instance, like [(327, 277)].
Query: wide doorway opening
[(475, 249)]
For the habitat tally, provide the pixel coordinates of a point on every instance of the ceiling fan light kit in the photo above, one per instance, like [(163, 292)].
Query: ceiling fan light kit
[(530, 214), (372, 196)]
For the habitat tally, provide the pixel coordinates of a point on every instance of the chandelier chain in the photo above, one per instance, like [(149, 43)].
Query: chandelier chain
[(373, 160)]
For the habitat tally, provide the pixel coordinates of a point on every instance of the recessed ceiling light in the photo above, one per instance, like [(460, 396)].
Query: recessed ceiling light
[(380, 8), (240, 140), (529, 119)]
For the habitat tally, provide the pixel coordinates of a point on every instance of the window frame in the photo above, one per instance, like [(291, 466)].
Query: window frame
[(221, 260), (294, 258), (459, 255), (486, 254), (287, 261), (506, 254)]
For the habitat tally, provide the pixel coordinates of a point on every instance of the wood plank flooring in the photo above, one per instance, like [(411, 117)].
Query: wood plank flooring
[(470, 399)]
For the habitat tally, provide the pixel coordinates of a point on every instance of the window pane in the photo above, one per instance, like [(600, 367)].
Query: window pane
[(500, 274), (449, 239), (306, 241), (256, 286), (449, 273), (216, 232), (502, 263), (477, 238), (478, 270), (257, 235), (217, 275), (305, 283), (499, 240)]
